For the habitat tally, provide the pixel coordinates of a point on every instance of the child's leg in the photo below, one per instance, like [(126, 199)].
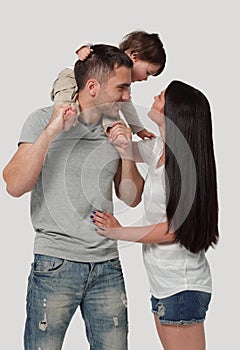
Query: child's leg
[(107, 123), (64, 90)]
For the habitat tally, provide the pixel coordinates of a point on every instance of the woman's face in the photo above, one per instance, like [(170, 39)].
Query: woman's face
[(156, 114)]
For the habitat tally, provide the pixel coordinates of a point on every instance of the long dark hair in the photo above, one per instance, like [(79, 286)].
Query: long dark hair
[(191, 184)]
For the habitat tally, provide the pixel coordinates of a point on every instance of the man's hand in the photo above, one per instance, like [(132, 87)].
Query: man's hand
[(64, 117), (120, 136)]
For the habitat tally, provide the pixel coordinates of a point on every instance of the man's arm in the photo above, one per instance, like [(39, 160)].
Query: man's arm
[(23, 170), (128, 181)]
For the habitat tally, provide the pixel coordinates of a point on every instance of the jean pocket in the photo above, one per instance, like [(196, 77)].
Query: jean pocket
[(203, 299), (115, 263), (47, 264)]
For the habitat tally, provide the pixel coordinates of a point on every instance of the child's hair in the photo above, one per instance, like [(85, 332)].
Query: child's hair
[(187, 112), (100, 64), (147, 47)]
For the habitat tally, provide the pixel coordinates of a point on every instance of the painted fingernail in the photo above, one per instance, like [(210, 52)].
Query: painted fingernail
[(91, 216), (94, 211), (93, 221)]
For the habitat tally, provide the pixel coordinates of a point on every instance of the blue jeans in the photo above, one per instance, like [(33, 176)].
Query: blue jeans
[(56, 287)]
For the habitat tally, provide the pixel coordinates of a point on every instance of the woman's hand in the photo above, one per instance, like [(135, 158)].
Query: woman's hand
[(107, 224)]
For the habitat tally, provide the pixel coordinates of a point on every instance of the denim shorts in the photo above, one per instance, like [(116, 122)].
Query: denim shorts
[(187, 307)]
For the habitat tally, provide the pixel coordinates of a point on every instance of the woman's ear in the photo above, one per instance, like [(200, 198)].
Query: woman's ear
[(93, 87), (134, 56)]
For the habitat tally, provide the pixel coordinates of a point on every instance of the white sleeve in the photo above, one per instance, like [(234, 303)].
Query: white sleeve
[(84, 43), (150, 149)]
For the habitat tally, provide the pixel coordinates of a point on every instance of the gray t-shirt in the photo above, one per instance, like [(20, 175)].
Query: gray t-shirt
[(76, 178)]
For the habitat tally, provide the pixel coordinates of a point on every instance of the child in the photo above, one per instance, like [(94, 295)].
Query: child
[(149, 58)]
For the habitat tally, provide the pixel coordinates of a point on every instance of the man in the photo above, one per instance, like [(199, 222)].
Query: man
[(70, 171)]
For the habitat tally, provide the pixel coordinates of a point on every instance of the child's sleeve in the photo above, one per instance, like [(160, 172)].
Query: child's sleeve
[(131, 116), (85, 43), (64, 88)]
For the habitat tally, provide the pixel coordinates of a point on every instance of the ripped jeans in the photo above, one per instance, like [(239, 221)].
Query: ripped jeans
[(57, 287)]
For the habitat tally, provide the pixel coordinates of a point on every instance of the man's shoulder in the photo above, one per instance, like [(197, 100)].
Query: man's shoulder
[(44, 112), (40, 117)]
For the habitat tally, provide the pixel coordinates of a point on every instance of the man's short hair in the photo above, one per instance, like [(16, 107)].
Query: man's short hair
[(100, 64)]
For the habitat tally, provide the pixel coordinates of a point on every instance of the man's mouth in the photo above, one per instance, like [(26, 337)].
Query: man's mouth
[(117, 106)]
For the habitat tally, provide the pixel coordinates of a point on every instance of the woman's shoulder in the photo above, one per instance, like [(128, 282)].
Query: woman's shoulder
[(150, 149)]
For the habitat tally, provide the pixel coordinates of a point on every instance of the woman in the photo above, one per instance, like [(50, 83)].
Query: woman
[(181, 209)]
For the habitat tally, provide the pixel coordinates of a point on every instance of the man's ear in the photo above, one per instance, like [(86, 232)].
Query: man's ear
[(93, 87)]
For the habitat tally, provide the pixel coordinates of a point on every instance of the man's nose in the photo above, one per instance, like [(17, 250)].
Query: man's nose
[(126, 95)]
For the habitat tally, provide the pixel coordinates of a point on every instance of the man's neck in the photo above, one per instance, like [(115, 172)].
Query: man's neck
[(89, 114)]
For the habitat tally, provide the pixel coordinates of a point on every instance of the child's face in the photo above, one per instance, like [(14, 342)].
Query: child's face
[(142, 70)]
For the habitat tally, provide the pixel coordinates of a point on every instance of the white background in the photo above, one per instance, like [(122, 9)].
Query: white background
[(38, 39)]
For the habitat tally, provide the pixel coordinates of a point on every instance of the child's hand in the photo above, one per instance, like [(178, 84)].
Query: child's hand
[(84, 52), (144, 133)]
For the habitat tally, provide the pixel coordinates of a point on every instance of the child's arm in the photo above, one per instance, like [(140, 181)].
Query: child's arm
[(64, 90), (84, 51)]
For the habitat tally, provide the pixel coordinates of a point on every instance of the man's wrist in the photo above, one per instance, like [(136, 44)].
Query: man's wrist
[(51, 132)]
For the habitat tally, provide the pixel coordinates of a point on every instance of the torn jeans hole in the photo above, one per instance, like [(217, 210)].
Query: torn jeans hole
[(115, 321), (124, 299), (43, 324), (161, 310)]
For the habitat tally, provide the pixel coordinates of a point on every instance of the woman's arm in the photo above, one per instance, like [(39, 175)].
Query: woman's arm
[(109, 227)]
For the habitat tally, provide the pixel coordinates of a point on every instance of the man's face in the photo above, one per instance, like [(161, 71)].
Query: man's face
[(114, 91)]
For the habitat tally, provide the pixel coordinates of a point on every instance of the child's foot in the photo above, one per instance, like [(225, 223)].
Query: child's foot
[(70, 117)]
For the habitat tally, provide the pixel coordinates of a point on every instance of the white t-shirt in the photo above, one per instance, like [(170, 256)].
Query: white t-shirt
[(171, 268)]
